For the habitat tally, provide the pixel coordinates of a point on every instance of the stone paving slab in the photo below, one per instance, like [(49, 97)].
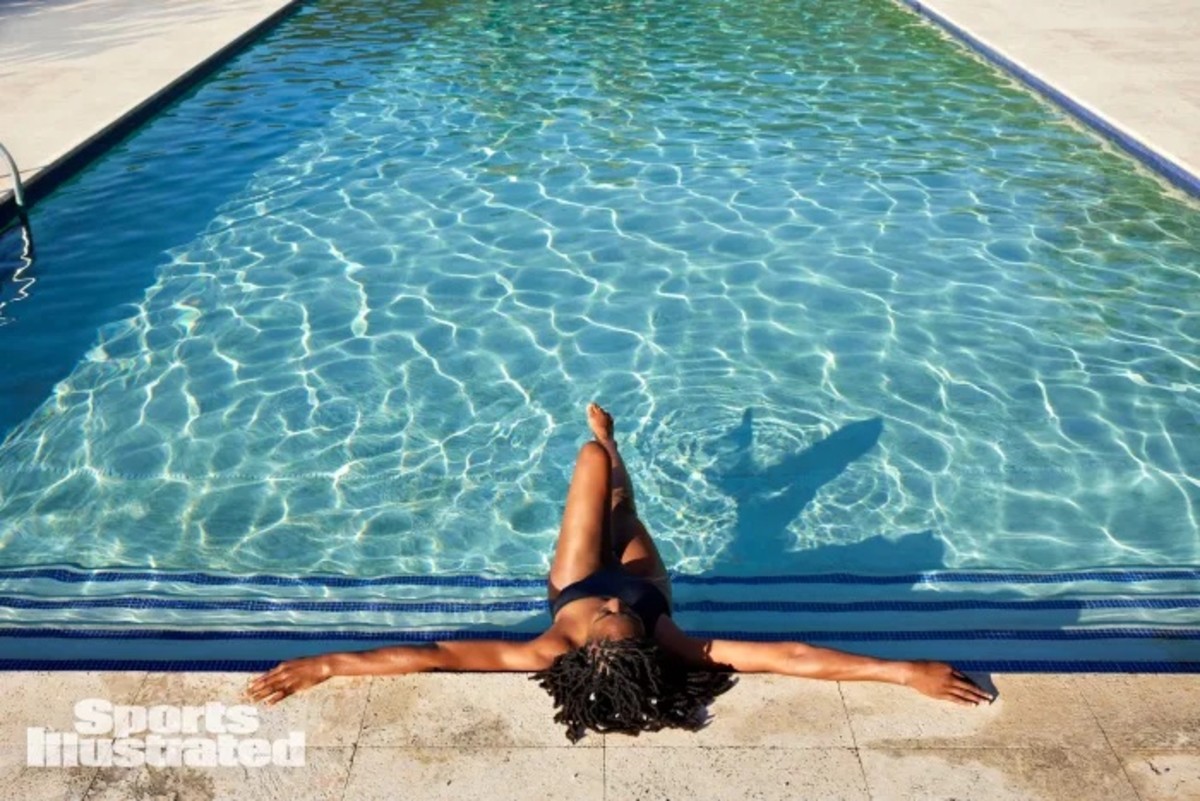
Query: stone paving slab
[(487, 710), (321, 778), (1161, 712), (726, 774), (495, 774), (18, 781), (1163, 775), (1030, 710), (48, 699), (329, 715), (765, 712), (995, 774)]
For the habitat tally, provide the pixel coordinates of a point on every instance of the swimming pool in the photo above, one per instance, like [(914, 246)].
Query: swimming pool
[(860, 306)]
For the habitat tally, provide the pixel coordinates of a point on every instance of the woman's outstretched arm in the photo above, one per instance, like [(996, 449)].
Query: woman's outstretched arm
[(295, 675), (935, 679)]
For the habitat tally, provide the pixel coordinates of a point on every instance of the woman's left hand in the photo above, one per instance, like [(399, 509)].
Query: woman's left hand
[(288, 678), (939, 680)]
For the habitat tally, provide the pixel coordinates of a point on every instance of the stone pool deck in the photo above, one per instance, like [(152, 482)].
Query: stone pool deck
[(443, 736)]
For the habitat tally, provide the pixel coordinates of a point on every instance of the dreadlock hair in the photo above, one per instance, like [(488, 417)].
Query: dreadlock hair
[(628, 686)]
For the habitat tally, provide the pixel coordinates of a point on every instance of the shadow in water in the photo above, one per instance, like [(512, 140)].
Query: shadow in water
[(770, 497)]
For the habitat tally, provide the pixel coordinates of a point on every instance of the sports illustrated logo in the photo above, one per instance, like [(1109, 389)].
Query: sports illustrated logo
[(209, 736)]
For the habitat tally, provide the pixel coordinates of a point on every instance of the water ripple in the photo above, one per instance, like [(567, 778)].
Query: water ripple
[(747, 236)]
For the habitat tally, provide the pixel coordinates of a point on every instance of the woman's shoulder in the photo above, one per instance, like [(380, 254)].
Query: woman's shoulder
[(568, 629)]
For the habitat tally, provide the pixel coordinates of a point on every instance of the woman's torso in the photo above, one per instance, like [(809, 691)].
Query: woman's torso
[(572, 608)]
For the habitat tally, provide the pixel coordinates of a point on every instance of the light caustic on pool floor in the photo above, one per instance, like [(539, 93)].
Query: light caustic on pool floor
[(836, 280)]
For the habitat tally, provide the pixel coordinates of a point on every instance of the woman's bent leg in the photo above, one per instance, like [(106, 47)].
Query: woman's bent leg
[(584, 541)]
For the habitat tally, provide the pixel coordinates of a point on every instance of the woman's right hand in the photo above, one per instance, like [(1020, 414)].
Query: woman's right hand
[(290, 677)]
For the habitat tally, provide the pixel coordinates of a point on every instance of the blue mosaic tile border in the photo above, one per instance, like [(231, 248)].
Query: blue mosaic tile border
[(459, 607), (1173, 172), (84, 576), (429, 635), (258, 665)]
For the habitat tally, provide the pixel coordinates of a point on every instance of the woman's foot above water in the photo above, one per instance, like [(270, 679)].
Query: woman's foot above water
[(601, 422)]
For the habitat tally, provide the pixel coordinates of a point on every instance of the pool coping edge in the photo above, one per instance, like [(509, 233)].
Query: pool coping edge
[(47, 178), (1163, 165)]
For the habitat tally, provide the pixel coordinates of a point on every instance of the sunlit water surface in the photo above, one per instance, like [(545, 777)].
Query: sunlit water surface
[(857, 302)]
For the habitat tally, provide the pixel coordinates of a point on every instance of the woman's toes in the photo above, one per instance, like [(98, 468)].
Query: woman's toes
[(599, 421)]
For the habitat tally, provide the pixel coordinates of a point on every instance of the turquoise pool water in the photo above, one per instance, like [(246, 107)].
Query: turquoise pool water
[(857, 302)]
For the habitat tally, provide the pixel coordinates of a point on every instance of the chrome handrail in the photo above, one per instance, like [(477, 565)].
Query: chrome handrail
[(18, 187), (22, 281)]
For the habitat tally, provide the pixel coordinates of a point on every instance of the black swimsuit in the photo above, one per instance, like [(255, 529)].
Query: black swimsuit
[(642, 596)]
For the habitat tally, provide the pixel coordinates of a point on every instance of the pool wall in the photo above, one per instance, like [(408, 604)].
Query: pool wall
[(1082, 621), (1175, 173)]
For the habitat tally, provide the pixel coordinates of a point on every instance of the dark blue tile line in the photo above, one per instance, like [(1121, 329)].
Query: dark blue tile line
[(258, 665), (1175, 173), (937, 606), (959, 577), (258, 605), (456, 607), (396, 637), (1131, 633), (1072, 666), (83, 576), (423, 636)]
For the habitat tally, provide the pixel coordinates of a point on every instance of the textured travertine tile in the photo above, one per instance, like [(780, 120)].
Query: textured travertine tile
[(48, 699), (1031, 710), (482, 710), (700, 774), (321, 778), (329, 714), (995, 774), (1146, 711), (763, 711), (497, 774), (1164, 775), (17, 781)]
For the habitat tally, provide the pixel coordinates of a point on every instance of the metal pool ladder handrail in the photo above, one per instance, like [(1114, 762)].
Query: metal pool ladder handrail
[(19, 278), (18, 187)]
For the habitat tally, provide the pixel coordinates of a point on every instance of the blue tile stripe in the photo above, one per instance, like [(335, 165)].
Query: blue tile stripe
[(82, 576), (930, 577), (958, 577), (460, 607), (1175, 173), (425, 636), (258, 665)]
